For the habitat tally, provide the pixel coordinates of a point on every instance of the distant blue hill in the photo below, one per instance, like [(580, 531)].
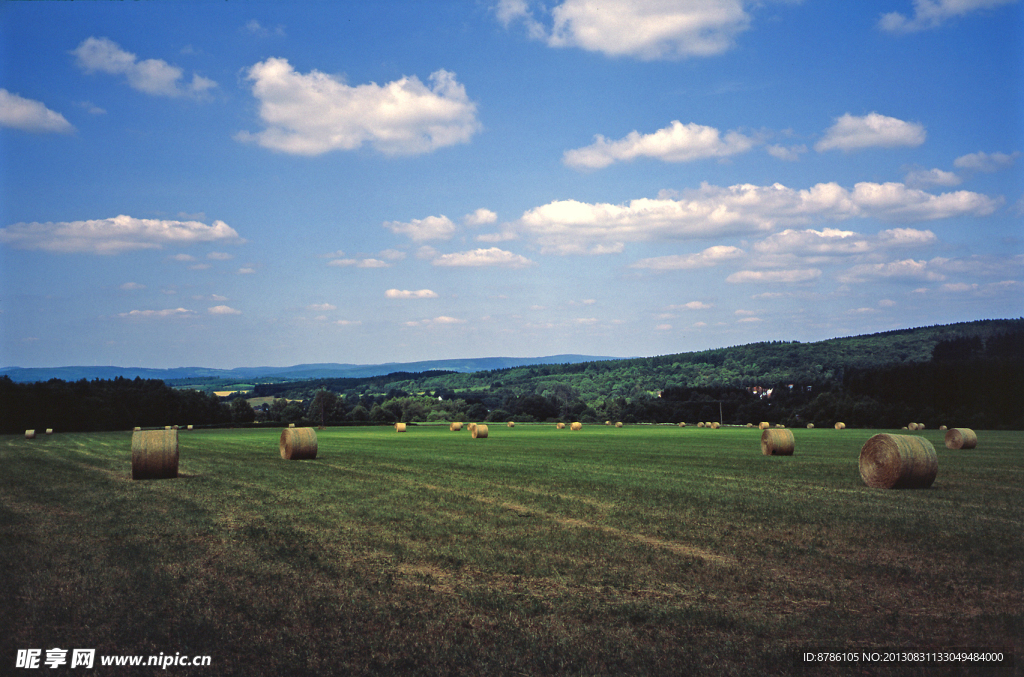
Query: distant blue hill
[(293, 373)]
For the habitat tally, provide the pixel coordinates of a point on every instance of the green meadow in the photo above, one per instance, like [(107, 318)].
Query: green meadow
[(641, 550)]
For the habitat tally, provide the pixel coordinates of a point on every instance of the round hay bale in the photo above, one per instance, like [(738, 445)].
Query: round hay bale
[(607, 422), (683, 424), (559, 425), (167, 427), (764, 425), (700, 424), (961, 438), (291, 425), (155, 455), (479, 432), (189, 427), (777, 442), (905, 428), (49, 431), (840, 425), (780, 425), (810, 426), (455, 426), (942, 427), (618, 424), (472, 427), (576, 425), (750, 425), (30, 434), (898, 462), (911, 426), (399, 427), (136, 429), (511, 424), (715, 425), (298, 444), (921, 426)]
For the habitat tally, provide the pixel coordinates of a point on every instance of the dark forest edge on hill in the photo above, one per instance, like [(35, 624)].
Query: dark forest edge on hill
[(966, 374)]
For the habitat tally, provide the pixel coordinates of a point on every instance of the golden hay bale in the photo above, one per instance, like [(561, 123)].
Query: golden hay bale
[(607, 422), (559, 425), (910, 426), (189, 427), (49, 431), (298, 444), (618, 424), (961, 438), (750, 425), (576, 425), (400, 427), (898, 462), (700, 424), (455, 426), (167, 427), (840, 425), (511, 424), (30, 434), (780, 425), (136, 429), (810, 426), (472, 427), (683, 424), (777, 442), (291, 425), (479, 432), (716, 425), (904, 428), (764, 425), (942, 427), (155, 455), (921, 426)]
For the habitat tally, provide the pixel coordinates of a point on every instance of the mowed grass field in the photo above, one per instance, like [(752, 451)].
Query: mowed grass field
[(640, 550)]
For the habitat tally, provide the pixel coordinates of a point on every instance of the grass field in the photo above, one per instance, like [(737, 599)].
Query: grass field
[(640, 550)]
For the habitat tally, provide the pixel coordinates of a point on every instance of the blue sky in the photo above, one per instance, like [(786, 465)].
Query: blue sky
[(272, 183)]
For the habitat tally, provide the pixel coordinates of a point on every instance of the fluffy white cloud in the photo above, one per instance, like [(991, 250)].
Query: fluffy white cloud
[(321, 307), (406, 294), (693, 305), (430, 228), (169, 312), (675, 143), (834, 242), (791, 154), (483, 257), (784, 276), (931, 177), (311, 114), (907, 269), (569, 226), (152, 76), (443, 319), (30, 116), (480, 217), (359, 263), (934, 13), (644, 29), (986, 162), (853, 133), (223, 310), (711, 256), (113, 236)]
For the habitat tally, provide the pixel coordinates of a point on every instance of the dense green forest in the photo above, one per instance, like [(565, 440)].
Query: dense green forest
[(966, 374)]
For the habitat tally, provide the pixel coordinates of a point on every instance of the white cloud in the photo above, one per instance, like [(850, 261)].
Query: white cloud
[(360, 263), (220, 256), (30, 116), (223, 310), (931, 177), (349, 323), (791, 154), (785, 276), (113, 236), (886, 303), (315, 113), (663, 327), (152, 76), (934, 13), (644, 29), (711, 256), (480, 217), (254, 27), (675, 143), (693, 305), (569, 226), (483, 257), (430, 228), (986, 162), (750, 319), (443, 319), (246, 271), (834, 242), (321, 307), (131, 286), (907, 269), (406, 294), (853, 133), (92, 108), (169, 312)]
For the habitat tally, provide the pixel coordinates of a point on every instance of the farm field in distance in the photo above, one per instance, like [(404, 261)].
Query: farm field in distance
[(638, 550)]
